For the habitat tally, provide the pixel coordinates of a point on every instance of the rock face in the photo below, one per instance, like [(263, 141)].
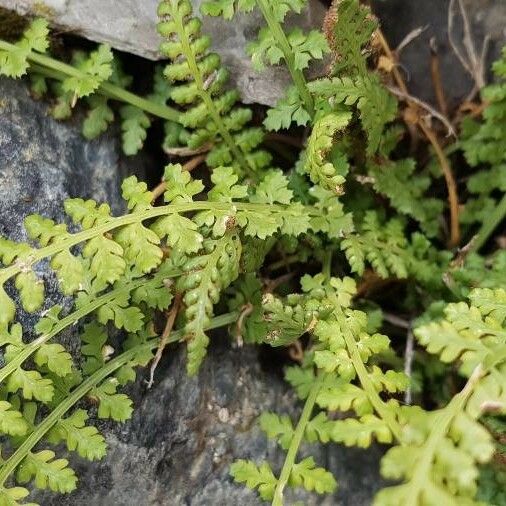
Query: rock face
[(185, 432), (400, 17), (43, 162), (130, 26)]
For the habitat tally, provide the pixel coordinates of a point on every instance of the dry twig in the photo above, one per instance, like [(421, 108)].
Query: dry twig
[(473, 64), (171, 318), (436, 77), (453, 199)]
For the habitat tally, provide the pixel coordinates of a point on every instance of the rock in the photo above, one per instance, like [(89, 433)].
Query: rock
[(43, 162), (400, 17), (185, 433), (131, 27)]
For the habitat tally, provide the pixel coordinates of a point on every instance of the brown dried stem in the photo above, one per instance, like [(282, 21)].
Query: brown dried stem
[(451, 185), (171, 318)]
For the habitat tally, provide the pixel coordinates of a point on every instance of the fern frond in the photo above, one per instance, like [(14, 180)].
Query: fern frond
[(95, 77), (375, 104), (320, 142), (389, 252), (14, 62), (349, 30), (210, 111), (47, 472), (86, 440), (406, 192)]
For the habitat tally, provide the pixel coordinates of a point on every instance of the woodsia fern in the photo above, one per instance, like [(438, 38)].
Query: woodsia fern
[(321, 261)]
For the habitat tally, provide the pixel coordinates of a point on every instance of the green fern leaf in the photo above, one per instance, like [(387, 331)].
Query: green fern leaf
[(319, 428), (11, 420), (122, 314), (32, 385), (306, 474), (179, 232), (226, 8), (277, 427), (287, 110), (134, 125), (55, 357), (97, 68), (261, 477), (352, 432), (118, 407), (86, 440), (320, 142), (14, 63), (12, 496), (180, 185), (98, 118), (47, 472), (93, 338), (31, 291), (307, 46)]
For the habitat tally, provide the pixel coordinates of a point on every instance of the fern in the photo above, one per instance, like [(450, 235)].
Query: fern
[(352, 212), (376, 107), (439, 461), (273, 45), (96, 78), (390, 253), (210, 110)]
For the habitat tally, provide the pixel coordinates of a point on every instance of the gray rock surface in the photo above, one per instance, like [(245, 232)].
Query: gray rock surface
[(400, 17), (185, 432), (130, 25), (43, 161)]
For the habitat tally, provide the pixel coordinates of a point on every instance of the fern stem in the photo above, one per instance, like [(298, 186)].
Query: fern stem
[(42, 428), (439, 430), (453, 197), (120, 221), (205, 95), (491, 222), (297, 75), (58, 70), (368, 386), (71, 319), (296, 441), (327, 264)]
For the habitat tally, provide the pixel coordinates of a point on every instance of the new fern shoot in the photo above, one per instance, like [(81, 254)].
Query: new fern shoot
[(393, 325)]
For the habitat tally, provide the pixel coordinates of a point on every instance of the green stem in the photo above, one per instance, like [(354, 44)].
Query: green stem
[(297, 74), (42, 428), (72, 318), (25, 262), (204, 94), (491, 222), (296, 441), (327, 264), (440, 427), (363, 376), (59, 70)]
